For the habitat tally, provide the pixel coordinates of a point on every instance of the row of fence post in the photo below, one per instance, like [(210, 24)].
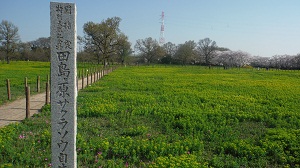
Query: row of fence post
[(94, 76)]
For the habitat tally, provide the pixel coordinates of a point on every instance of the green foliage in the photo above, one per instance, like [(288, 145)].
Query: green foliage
[(183, 161), (174, 117), (31, 136)]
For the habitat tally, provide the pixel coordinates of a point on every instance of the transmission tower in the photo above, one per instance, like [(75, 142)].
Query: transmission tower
[(162, 29)]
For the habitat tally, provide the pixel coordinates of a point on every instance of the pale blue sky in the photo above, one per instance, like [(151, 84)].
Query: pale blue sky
[(259, 27)]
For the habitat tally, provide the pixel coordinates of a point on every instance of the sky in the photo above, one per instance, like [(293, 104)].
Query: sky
[(260, 27)]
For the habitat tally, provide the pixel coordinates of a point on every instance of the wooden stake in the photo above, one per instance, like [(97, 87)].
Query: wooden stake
[(47, 94), (8, 89), (87, 80), (38, 84), (82, 83), (91, 77), (25, 83), (27, 101)]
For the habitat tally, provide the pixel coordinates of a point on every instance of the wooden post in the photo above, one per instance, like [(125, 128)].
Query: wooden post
[(87, 80), (82, 83), (38, 84), (91, 77), (8, 89), (25, 83), (27, 101), (48, 79), (47, 94), (96, 74)]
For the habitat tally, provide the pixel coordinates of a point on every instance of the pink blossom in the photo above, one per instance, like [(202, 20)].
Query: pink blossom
[(22, 136)]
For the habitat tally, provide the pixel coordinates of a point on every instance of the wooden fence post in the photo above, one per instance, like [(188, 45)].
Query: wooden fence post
[(8, 89), (87, 80), (82, 82), (38, 84), (25, 83), (27, 101), (47, 94)]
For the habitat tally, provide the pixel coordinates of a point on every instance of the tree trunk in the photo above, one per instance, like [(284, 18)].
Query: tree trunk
[(98, 58), (7, 59)]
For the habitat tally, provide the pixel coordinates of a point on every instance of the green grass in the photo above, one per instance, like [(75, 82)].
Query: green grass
[(16, 72), (175, 117)]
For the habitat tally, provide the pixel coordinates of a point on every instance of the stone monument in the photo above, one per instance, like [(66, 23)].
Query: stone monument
[(63, 84)]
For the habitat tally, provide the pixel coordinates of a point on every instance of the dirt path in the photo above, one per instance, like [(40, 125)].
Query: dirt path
[(16, 111)]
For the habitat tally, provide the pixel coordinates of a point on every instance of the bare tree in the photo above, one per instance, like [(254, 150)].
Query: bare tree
[(40, 49), (24, 51), (124, 49), (207, 48), (9, 38), (104, 38), (41, 43), (186, 52), (149, 49), (170, 49)]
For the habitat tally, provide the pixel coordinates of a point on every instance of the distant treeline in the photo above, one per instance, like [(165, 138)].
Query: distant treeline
[(104, 43)]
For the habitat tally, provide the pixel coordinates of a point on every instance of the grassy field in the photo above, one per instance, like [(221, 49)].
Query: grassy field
[(16, 72), (174, 117)]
